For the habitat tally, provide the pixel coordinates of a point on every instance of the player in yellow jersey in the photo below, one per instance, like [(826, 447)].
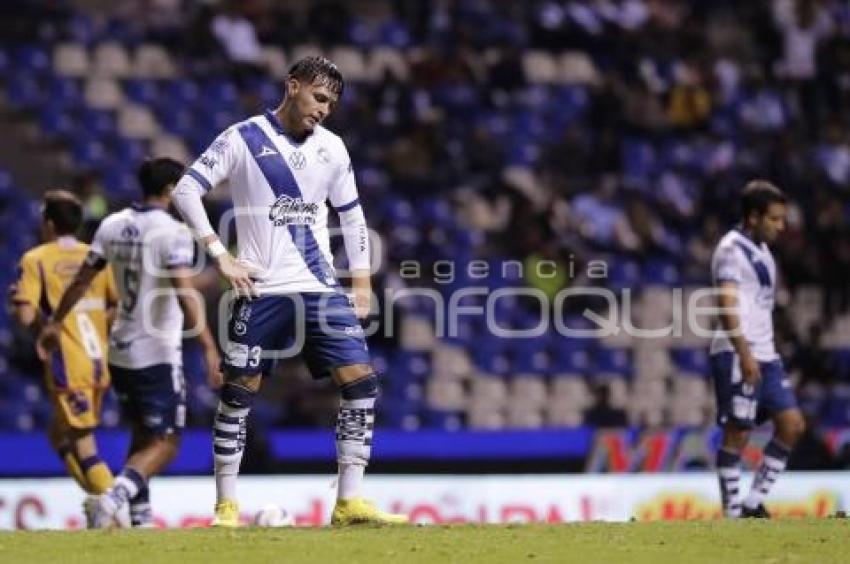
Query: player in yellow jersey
[(76, 373)]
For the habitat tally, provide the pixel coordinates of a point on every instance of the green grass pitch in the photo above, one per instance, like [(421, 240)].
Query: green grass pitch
[(737, 542)]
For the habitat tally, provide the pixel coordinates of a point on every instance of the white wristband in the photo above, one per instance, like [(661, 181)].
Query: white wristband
[(216, 249)]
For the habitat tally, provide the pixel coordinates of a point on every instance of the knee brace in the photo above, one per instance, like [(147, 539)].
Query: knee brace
[(364, 388), (236, 396)]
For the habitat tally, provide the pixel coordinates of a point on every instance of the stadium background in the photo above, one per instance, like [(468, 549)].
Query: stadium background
[(571, 131)]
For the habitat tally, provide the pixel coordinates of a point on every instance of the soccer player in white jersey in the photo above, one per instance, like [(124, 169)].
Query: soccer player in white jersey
[(151, 255), (749, 378), (282, 167)]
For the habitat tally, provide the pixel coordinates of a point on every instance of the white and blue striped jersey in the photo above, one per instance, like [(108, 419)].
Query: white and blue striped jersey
[(751, 267), (279, 189), (142, 243)]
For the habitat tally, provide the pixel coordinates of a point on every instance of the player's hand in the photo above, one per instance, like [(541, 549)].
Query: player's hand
[(238, 274), (215, 378), (362, 303), (48, 341), (750, 370)]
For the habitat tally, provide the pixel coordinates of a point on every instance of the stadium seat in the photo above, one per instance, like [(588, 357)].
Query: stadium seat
[(275, 60), (142, 91), (575, 67), (485, 417), (153, 61), (540, 67), (351, 63), (110, 60), (164, 145), (137, 122), (445, 394), (416, 333), (103, 94), (71, 59), (31, 58), (442, 419)]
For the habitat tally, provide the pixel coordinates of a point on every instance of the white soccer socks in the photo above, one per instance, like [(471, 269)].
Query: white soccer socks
[(354, 427), (229, 437), (775, 458)]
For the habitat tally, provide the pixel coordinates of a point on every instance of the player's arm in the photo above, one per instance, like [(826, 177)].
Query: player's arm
[(24, 295), (48, 340), (355, 233), (730, 322), (211, 168), (194, 317)]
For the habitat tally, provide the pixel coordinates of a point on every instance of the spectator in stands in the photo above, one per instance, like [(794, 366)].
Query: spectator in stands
[(238, 38), (602, 413)]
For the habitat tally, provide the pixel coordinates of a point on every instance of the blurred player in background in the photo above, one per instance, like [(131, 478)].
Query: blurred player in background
[(749, 377), (76, 372), (282, 167), (151, 254)]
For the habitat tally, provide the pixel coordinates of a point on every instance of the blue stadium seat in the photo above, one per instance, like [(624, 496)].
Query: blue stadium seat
[(443, 420), (570, 355), (142, 91), (613, 361), (531, 355), (623, 273), (57, 122), (130, 150), (65, 92), (661, 272), (690, 360), (23, 91), (100, 123), (33, 58), (89, 153)]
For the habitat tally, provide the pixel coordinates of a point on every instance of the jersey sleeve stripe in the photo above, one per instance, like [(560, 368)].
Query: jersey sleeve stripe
[(200, 178), (348, 206)]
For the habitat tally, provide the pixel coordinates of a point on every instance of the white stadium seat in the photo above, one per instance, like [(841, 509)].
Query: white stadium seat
[(71, 59)]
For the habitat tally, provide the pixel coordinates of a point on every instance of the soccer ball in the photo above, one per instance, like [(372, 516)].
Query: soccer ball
[(272, 515)]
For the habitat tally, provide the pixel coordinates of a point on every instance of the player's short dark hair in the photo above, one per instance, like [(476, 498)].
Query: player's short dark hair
[(155, 175), (64, 210), (758, 195), (315, 67)]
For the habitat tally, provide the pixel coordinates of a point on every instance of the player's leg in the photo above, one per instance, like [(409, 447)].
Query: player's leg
[(336, 346), (72, 436), (788, 428), (58, 438), (732, 444), (153, 400), (229, 429), (736, 411)]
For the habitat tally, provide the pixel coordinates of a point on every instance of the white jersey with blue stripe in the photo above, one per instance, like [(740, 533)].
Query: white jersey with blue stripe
[(279, 188), (751, 267), (142, 244)]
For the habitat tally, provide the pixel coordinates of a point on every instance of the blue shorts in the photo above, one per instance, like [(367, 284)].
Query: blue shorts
[(152, 398), (320, 326), (746, 406)]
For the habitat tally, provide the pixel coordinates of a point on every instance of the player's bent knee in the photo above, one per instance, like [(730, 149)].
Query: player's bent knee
[(363, 388), (249, 381), (348, 374), (236, 395)]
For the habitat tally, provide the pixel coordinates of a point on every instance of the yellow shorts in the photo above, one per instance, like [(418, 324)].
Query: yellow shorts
[(77, 409)]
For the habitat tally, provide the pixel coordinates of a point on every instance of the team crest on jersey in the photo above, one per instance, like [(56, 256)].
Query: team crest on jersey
[(130, 231), (297, 160), (293, 211), (323, 155)]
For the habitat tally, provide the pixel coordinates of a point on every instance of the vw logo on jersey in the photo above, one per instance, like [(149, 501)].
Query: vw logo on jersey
[(240, 328), (297, 160)]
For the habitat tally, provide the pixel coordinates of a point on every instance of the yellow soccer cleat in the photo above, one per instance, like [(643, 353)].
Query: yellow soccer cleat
[(226, 514), (358, 511)]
